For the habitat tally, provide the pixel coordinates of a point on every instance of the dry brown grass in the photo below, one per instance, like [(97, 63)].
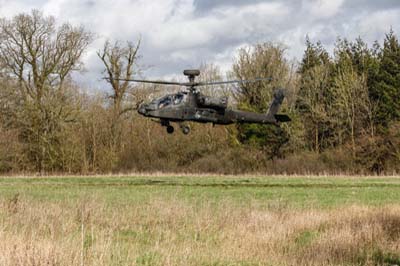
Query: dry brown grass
[(174, 232)]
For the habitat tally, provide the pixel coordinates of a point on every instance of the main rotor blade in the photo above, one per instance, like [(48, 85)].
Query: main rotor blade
[(152, 81), (231, 81), (190, 84)]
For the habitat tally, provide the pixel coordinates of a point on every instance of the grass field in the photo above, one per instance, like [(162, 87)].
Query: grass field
[(199, 220)]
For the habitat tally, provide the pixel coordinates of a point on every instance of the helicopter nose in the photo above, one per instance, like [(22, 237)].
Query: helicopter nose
[(142, 109)]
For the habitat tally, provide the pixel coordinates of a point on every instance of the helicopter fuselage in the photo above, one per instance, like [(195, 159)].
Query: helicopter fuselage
[(189, 106)]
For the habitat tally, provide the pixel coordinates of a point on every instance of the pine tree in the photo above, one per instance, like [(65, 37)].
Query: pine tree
[(314, 55), (385, 89), (314, 96)]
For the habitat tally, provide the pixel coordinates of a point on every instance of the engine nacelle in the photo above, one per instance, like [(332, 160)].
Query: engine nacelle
[(213, 102)]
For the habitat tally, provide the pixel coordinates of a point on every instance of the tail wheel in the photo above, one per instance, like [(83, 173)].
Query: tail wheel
[(170, 129), (185, 130)]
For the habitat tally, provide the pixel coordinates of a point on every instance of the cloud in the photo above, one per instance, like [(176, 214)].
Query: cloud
[(379, 22), (321, 8), (178, 34)]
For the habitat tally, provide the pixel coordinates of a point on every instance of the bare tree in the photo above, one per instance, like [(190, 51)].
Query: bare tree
[(40, 56), (209, 73), (352, 103), (266, 60), (260, 61), (119, 63)]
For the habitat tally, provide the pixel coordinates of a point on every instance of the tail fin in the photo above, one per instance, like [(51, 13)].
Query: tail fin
[(275, 105)]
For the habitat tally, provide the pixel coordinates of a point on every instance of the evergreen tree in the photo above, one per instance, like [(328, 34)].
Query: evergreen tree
[(314, 95), (314, 55), (385, 87), (361, 56)]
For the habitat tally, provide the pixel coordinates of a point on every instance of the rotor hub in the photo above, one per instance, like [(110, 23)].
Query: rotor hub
[(191, 74)]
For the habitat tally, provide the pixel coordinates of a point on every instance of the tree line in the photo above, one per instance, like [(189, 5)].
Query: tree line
[(345, 108)]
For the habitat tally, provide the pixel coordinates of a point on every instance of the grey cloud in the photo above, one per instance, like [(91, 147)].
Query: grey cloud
[(178, 34), (207, 5), (372, 4)]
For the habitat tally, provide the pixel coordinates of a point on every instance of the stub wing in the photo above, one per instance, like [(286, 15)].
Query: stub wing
[(282, 118)]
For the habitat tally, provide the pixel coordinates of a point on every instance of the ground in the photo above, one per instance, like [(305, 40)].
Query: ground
[(199, 220)]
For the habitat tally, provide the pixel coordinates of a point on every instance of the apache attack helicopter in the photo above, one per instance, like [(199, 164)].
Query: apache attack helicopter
[(191, 105)]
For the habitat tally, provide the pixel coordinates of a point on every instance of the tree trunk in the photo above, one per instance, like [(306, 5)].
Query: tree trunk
[(316, 139)]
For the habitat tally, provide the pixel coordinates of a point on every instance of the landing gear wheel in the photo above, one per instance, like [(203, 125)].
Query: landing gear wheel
[(185, 130), (170, 129)]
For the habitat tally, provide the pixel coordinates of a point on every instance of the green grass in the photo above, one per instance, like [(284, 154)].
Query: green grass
[(199, 220), (271, 192)]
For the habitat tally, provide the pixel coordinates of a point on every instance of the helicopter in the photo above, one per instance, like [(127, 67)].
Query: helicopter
[(191, 105)]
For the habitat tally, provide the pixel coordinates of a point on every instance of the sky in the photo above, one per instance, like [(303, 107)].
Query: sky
[(182, 34)]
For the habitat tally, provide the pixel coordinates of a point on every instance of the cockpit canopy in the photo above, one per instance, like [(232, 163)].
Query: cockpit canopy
[(168, 100)]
